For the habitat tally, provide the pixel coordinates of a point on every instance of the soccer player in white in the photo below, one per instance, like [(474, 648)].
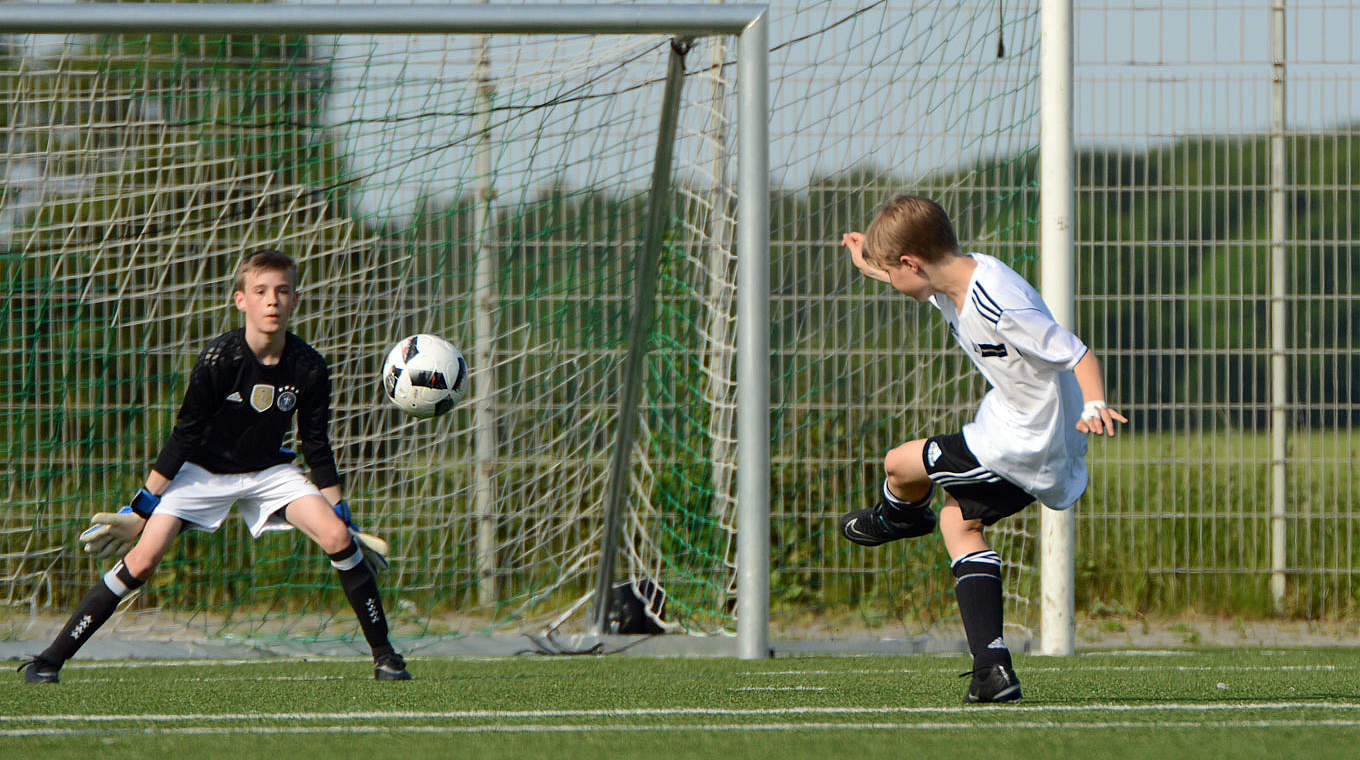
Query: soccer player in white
[(1027, 442)]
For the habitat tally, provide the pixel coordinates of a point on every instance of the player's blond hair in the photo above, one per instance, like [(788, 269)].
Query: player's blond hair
[(260, 260), (909, 224)]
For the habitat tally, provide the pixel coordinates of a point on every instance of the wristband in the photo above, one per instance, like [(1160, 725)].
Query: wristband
[(341, 509), (144, 503), (1091, 410)]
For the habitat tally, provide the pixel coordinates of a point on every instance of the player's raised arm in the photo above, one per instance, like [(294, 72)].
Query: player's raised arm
[(1096, 417), (855, 242)]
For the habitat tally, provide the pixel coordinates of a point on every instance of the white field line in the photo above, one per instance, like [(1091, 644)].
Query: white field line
[(662, 727), (676, 711), (216, 679), (1224, 669), (779, 688), (275, 660), (210, 662), (859, 671), (1133, 652), (154, 663)]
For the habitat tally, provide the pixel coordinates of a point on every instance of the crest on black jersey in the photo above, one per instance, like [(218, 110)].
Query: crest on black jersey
[(261, 397), (287, 400)]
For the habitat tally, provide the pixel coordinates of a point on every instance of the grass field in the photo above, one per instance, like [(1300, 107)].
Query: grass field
[(1214, 703)]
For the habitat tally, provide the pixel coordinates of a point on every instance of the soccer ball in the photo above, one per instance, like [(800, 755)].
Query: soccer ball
[(424, 375)]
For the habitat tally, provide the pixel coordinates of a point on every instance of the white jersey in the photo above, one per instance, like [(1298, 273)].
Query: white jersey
[(1025, 429)]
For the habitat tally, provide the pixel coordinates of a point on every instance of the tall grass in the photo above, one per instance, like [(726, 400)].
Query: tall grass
[(1181, 521)]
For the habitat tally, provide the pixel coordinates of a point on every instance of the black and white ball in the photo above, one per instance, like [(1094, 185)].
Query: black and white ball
[(424, 375)]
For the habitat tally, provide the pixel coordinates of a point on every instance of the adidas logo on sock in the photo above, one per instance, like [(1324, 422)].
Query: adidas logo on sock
[(997, 643), (80, 627)]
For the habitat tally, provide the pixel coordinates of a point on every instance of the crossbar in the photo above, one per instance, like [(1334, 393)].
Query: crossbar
[(355, 18)]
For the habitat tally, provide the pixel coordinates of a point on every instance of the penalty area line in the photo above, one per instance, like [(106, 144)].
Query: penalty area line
[(531, 728), (663, 712), (1062, 669), (262, 660), (221, 679)]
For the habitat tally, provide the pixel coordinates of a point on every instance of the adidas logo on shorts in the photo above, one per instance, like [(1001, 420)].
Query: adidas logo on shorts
[(933, 453)]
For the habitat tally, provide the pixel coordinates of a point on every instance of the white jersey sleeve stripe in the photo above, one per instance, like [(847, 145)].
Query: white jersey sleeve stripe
[(987, 297), (992, 317)]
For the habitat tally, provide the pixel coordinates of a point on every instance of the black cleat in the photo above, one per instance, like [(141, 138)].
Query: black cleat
[(994, 683), (390, 667), (38, 671), (869, 527)]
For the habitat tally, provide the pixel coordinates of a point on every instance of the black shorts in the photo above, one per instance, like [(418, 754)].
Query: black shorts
[(982, 494)]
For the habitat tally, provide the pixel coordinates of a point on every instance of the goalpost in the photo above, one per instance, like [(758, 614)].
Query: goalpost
[(1057, 624), (224, 206)]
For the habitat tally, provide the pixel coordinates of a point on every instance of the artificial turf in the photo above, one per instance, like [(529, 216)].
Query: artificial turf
[(1210, 703)]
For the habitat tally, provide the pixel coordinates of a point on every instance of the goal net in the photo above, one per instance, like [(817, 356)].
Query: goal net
[(493, 190)]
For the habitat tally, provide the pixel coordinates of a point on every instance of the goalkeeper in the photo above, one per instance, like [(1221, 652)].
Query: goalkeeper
[(226, 448)]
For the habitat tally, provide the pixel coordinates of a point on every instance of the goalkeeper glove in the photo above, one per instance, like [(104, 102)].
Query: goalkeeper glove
[(375, 550), (112, 534)]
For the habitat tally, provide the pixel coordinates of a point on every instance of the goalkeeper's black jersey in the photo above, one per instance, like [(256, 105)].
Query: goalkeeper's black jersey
[(237, 411)]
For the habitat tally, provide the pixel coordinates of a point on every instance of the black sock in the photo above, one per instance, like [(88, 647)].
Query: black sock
[(977, 586), (92, 612), (898, 509), (361, 588)]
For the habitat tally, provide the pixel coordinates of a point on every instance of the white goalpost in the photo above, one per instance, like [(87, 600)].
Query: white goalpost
[(1057, 625), (747, 23)]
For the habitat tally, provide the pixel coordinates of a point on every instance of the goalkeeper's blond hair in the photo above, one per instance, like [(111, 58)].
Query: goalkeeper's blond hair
[(260, 260)]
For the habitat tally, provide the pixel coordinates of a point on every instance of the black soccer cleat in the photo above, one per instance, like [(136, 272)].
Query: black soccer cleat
[(390, 667), (869, 527), (38, 671), (993, 683)]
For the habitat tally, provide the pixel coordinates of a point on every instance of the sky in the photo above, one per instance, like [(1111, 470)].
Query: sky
[(1150, 71), (1145, 73), (868, 89)]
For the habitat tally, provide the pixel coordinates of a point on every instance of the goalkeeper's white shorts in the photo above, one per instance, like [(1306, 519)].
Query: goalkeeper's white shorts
[(203, 499)]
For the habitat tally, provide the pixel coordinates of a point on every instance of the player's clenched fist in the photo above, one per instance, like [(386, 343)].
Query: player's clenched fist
[(855, 242)]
